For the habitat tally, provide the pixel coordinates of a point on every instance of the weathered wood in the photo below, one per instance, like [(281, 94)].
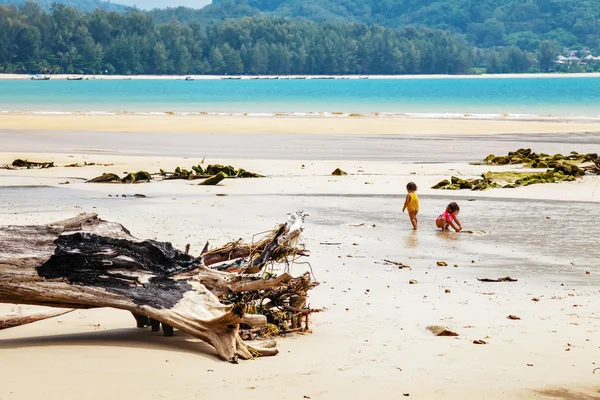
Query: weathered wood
[(505, 279), (142, 321), (167, 330), (19, 318), (85, 262), (155, 325), (213, 180), (32, 164)]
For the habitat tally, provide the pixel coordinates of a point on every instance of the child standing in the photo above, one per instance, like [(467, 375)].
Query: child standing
[(412, 204), (449, 218)]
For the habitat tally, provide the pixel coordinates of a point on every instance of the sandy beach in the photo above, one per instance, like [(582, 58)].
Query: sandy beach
[(371, 340), (316, 124)]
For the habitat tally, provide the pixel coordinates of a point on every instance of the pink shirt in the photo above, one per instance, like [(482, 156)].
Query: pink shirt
[(449, 217)]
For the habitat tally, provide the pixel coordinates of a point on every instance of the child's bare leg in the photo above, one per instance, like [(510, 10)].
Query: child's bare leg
[(413, 219), (441, 223)]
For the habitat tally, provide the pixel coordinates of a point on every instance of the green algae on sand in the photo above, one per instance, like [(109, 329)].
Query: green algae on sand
[(559, 168)]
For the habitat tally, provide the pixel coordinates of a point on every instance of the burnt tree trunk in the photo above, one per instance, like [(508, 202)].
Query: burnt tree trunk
[(86, 262)]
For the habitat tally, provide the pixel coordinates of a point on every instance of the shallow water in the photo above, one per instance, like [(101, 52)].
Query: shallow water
[(518, 96), (519, 240)]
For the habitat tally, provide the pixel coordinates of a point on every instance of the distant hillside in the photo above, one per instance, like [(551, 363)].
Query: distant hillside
[(485, 23), (83, 5)]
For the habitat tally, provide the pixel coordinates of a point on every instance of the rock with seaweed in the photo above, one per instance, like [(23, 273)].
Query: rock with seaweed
[(85, 262), (214, 169), (441, 184), (18, 163), (456, 183), (106, 178), (133, 177), (513, 179), (136, 177), (528, 158), (559, 168), (200, 172), (242, 173)]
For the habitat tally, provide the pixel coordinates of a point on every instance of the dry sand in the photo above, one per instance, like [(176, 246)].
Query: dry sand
[(288, 124), (372, 340)]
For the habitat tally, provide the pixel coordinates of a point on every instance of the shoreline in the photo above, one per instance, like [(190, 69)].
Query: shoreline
[(445, 116), (245, 77), (289, 124)]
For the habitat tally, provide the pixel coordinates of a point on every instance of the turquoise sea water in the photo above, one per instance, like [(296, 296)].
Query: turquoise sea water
[(514, 96)]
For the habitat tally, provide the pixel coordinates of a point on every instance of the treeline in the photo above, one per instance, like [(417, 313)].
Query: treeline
[(65, 40), (487, 24)]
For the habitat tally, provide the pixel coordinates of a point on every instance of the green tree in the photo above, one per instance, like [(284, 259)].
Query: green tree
[(159, 57), (547, 55), (216, 61), (232, 60)]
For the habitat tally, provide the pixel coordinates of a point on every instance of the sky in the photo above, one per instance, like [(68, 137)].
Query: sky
[(150, 4)]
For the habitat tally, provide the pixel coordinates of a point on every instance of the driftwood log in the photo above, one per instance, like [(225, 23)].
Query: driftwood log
[(85, 262), (19, 318)]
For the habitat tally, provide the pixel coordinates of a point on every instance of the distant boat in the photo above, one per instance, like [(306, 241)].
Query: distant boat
[(254, 77), (274, 77), (299, 77), (189, 78), (40, 78), (231, 77), (74, 78), (363, 77)]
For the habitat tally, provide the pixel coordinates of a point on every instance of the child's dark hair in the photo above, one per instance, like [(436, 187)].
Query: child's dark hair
[(452, 207), (411, 186)]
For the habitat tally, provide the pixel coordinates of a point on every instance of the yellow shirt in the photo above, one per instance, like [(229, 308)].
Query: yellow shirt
[(414, 202)]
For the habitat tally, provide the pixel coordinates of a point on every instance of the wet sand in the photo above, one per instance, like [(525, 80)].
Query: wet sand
[(368, 342), (407, 147)]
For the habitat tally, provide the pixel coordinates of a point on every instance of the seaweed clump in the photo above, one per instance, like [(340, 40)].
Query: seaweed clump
[(511, 179), (133, 177), (200, 172), (528, 158), (559, 168)]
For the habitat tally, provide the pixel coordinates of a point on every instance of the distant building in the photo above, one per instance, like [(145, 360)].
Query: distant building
[(570, 57)]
